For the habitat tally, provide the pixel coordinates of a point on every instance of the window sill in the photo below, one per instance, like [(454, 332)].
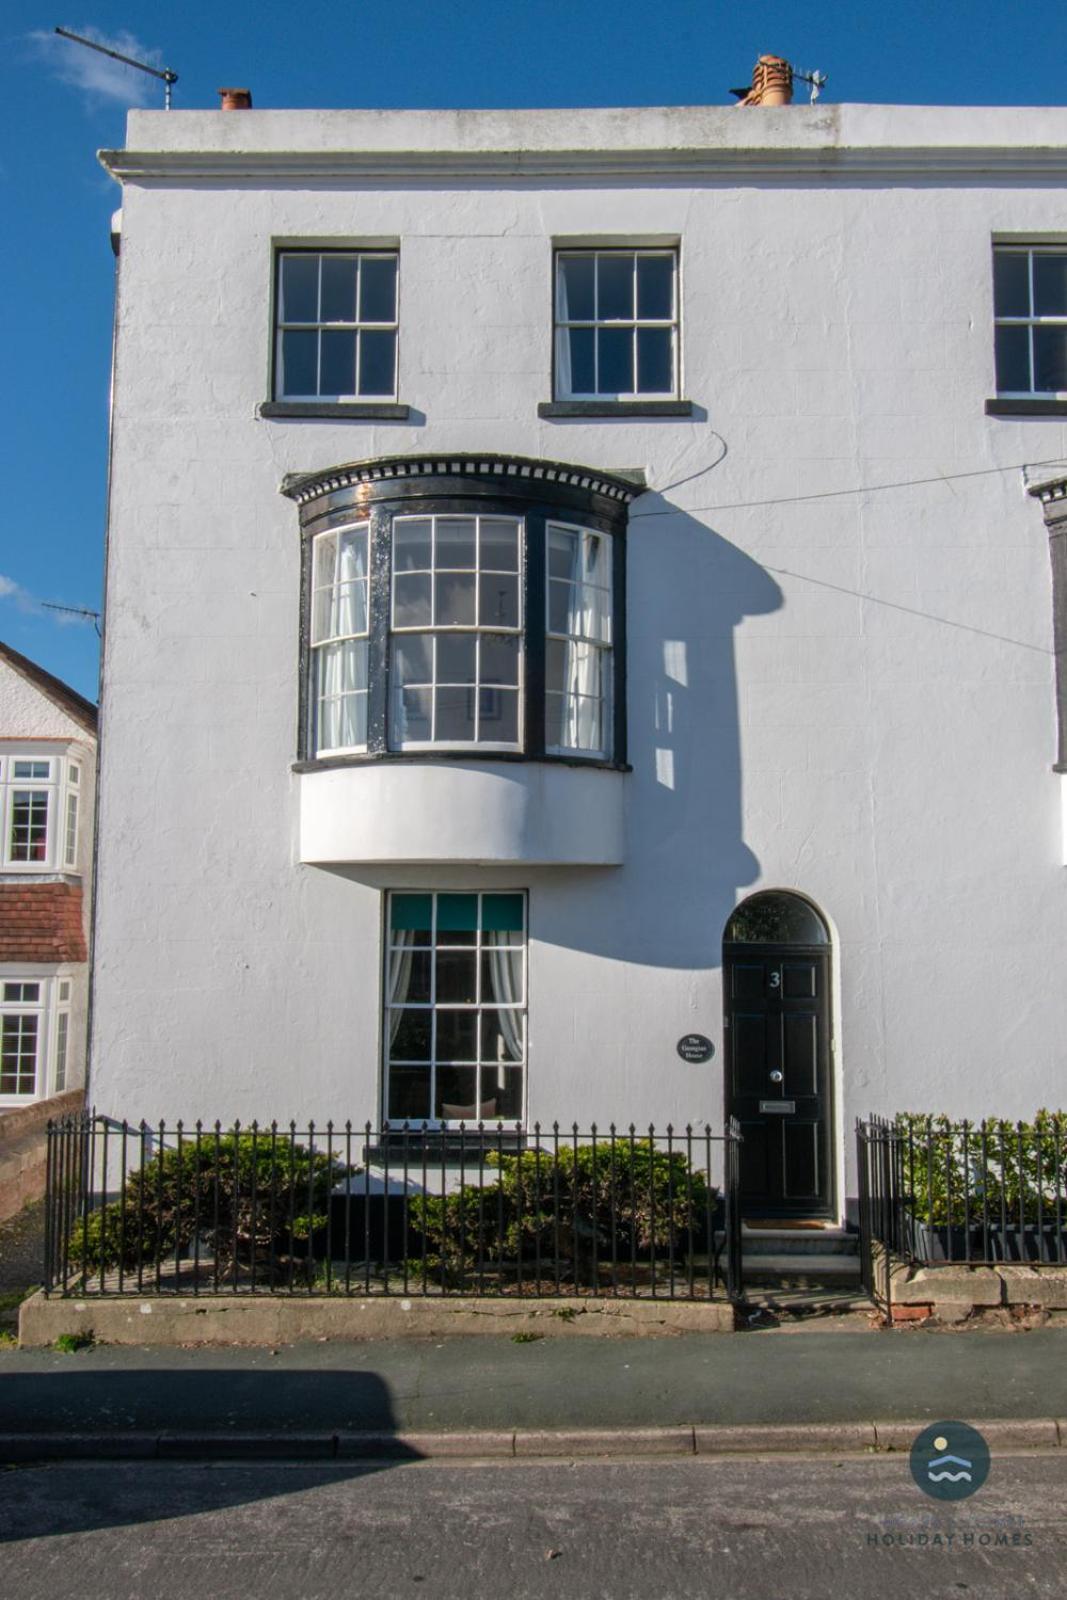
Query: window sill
[(325, 763), (353, 410), (404, 1150), (615, 408), (1036, 407)]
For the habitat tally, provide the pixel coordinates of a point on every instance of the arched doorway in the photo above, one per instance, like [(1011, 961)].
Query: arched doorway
[(776, 1028)]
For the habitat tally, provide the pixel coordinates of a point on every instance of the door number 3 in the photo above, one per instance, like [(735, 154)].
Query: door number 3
[(775, 980)]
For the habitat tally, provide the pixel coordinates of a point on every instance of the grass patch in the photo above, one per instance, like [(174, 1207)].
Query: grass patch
[(526, 1338), (68, 1343), (8, 1340)]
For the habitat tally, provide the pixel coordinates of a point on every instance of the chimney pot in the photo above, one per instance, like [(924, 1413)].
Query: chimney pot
[(772, 83), (236, 99)]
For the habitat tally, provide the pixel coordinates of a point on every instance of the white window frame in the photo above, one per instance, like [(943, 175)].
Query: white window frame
[(606, 648), (561, 325), (63, 782), (315, 645), (358, 326), (12, 785), (71, 815), (431, 1122), (1031, 321), (61, 1036), (56, 1040), (475, 629), (13, 1007)]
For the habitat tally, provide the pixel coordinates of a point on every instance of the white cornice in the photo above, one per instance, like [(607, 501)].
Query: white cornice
[(1044, 164)]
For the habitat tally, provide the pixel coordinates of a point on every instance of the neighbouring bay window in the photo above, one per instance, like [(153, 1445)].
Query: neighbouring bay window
[(38, 812), (34, 1027), (21, 1038), (59, 1077), (454, 1024), (468, 605), (70, 829)]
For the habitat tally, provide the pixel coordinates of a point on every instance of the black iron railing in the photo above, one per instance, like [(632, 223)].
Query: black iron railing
[(347, 1209), (933, 1191)]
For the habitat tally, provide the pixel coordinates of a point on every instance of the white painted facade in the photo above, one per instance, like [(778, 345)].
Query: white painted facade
[(840, 666)]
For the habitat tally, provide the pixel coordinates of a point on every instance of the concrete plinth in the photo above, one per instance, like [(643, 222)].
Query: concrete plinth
[(281, 1319)]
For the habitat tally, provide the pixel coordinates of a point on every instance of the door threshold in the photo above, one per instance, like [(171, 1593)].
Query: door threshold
[(778, 1224)]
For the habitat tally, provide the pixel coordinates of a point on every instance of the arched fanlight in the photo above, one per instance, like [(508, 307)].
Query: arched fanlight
[(775, 917)]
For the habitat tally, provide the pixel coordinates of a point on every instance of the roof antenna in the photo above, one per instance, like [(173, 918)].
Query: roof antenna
[(164, 73), (816, 78), (75, 611)]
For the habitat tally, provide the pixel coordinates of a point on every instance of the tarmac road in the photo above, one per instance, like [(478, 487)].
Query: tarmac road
[(780, 1528)]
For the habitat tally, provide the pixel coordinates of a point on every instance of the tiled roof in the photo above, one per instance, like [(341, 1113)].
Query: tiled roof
[(41, 922), (61, 694)]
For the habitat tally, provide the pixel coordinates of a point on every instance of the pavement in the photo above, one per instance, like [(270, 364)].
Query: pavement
[(301, 1399)]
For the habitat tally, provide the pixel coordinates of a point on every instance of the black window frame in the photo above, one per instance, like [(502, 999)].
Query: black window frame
[(537, 492)]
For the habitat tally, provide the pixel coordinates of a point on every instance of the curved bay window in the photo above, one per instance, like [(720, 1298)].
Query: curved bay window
[(465, 606)]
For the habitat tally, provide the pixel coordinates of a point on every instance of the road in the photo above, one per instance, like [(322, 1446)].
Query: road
[(740, 1529)]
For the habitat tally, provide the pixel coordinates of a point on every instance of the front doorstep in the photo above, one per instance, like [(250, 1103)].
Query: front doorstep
[(284, 1319)]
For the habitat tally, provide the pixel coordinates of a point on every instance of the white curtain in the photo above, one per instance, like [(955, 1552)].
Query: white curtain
[(400, 963), (588, 619), (505, 965), (564, 384)]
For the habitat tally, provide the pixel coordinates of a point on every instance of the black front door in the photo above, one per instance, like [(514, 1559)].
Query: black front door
[(778, 1076)]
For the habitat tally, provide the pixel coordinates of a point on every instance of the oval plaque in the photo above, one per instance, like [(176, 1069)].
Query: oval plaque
[(694, 1047)]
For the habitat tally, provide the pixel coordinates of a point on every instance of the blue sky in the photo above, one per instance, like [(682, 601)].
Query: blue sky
[(62, 103)]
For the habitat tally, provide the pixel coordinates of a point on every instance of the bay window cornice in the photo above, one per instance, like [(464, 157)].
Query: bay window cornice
[(513, 476)]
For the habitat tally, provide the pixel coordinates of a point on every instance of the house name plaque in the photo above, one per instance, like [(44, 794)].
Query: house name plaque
[(695, 1047)]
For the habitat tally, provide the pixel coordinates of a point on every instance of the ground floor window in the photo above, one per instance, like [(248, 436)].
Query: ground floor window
[(455, 1008), (36, 1045), (21, 1037)]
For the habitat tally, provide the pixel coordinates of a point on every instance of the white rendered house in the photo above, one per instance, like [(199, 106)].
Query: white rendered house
[(533, 535), (47, 780)]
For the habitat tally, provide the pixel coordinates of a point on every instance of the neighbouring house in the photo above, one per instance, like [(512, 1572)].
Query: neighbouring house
[(581, 639), (47, 781)]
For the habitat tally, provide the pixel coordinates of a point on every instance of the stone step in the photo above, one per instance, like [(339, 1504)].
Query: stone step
[(799, 1242), (802, 1271)]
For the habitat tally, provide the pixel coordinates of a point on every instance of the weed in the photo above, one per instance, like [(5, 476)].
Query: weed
[(525, 1338), (68, 1343)]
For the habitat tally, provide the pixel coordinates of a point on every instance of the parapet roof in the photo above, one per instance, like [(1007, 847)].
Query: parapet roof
[(709, 141)]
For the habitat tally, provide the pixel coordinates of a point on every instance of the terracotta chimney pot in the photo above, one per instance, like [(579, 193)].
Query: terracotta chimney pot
[(772, 83), (236, 99)]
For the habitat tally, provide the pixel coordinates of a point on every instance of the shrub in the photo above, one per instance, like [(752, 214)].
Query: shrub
[(566, 1207), (959, 1174), (242, 1195)]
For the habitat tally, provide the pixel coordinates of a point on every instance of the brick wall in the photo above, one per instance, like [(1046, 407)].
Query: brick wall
[(23, 1148)]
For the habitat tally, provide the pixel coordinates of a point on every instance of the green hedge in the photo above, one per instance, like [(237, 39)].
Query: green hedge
[(544, 1206), (958, 1173), (244, 1194)]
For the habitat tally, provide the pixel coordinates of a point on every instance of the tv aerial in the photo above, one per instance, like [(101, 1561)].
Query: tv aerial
[(167, 77), (76, 611)]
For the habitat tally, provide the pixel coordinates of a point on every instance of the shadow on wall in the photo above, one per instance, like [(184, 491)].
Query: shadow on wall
[(687, 863)]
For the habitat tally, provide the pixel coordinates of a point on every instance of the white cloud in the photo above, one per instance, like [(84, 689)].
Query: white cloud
[(97, 76), (26, 602), (20, 597)]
